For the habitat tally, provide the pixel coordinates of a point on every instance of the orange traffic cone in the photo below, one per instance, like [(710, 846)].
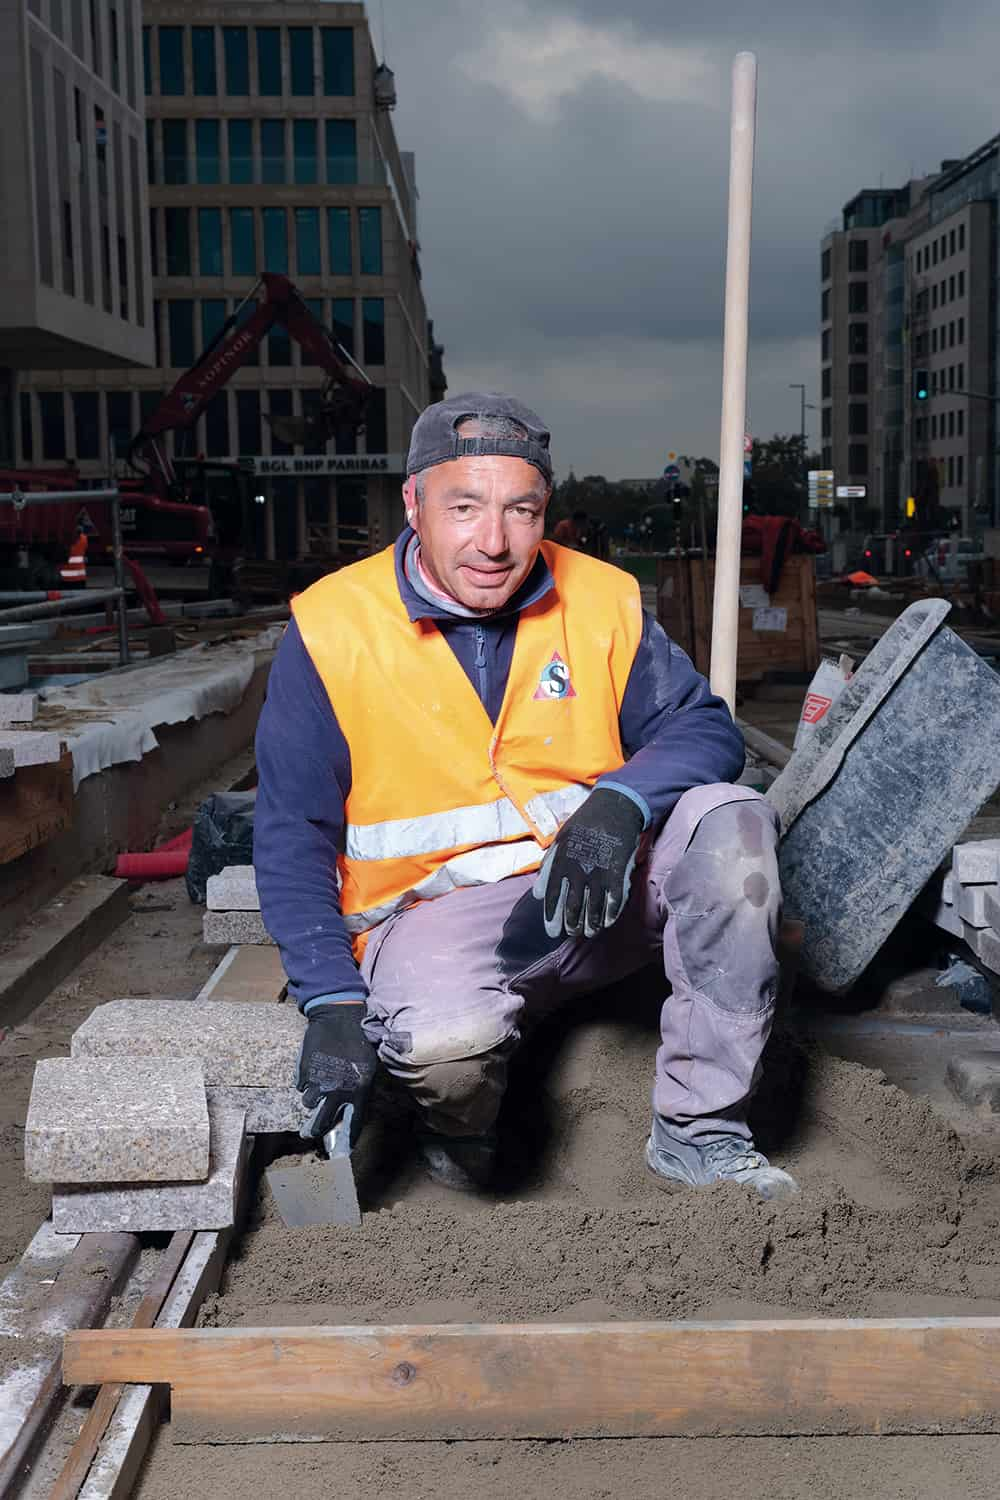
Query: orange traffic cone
[(74, 570)]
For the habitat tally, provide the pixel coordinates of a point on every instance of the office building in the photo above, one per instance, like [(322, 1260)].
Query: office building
[(270, 147), (76, 288)]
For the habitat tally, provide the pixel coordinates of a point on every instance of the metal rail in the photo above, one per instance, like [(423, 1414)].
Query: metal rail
[(20, 500)]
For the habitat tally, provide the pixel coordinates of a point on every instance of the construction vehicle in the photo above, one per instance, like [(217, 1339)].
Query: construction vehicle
[(213, 495)]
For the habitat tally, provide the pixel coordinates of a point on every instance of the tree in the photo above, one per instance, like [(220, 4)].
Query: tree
[(779, 475)]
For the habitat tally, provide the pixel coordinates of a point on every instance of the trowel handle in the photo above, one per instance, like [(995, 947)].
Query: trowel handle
[(337, 1141)]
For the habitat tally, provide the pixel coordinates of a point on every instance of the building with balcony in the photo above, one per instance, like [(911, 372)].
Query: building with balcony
[(270, 147), (75, 290)]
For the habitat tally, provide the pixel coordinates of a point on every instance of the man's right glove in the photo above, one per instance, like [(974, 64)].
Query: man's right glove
[(586, 875), (337, 1065)]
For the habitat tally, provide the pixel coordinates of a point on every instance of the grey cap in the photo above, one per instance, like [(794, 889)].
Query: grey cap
[(512, 429)]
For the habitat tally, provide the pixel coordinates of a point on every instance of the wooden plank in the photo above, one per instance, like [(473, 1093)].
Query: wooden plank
[(35, 804), (810, 616), (79, 1297), (249, 972), (561, 1380), (80, 1457)]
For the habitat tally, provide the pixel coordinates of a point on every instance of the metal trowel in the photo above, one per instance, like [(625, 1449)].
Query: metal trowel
[(322, 1189)]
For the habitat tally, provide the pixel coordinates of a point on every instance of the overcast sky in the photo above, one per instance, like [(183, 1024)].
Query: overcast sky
[(572, 161)]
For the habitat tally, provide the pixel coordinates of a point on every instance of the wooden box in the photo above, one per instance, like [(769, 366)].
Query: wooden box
[(777, 633)]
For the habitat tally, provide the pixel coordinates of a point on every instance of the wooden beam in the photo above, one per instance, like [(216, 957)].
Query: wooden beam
[(248, 972), (560, 1380)]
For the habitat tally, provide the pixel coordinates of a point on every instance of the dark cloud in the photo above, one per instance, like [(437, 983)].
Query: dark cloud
[(572, 160)]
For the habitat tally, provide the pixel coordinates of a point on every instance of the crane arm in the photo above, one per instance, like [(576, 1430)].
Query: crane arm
[(345, 392)]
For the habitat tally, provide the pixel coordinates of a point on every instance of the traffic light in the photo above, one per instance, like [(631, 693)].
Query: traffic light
[(921, 385)]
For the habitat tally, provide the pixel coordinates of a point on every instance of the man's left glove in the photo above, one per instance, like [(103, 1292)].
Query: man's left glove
[(585, 877), (337, 1065)]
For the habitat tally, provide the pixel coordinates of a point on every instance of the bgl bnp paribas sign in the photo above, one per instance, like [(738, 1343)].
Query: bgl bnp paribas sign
[(320, 464)]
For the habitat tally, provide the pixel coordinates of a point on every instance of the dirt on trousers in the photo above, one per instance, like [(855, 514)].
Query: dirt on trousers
[(897, 1216)]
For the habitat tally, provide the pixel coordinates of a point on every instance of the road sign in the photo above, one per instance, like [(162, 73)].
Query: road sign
[(821, 489), (671, 472), (851, 491)]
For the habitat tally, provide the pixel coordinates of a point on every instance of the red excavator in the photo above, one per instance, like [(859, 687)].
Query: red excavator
[(213, 494)]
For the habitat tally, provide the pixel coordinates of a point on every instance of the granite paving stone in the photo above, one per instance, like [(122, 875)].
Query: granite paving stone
[(136, 1119), (971, 904), (977, 863), (271, 1111), (18, 708), (31, 747), (228, 927), (252, 1046), (143, 1207), (991, 906), (233, 889), (975, 1078)]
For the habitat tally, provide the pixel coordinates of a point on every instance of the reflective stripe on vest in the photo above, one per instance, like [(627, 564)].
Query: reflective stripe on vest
[(401, 838), (440, 797)]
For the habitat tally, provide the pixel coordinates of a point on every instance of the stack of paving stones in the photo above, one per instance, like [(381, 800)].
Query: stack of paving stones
[(965, 900), (132, 1144), (233, 908)]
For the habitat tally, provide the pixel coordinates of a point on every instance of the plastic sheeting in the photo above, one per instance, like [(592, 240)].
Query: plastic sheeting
[(112, 718)]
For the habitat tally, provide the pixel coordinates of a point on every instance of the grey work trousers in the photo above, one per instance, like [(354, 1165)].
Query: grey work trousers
[(453, 982)]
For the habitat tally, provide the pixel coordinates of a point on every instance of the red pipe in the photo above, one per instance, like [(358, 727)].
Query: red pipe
[(159, 864)]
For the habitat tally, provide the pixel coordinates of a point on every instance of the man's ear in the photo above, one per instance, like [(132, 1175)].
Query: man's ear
[(410, 497)]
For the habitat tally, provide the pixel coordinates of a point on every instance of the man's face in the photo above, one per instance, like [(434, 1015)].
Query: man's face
[(480, 524)]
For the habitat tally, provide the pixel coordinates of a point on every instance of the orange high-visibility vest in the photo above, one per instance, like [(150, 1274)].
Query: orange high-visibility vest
[(440, 797)]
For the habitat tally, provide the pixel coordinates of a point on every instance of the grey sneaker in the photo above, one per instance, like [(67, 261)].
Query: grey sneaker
[(730, 1158), (462, 1163)]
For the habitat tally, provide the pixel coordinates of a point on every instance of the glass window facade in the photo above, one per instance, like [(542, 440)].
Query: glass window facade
[(203, 60), (341, 151), (280, 405), (269, 60), (171, 59), (272, 151), (120, 426), (180, 320), (304, 150), (338, 60), (147, 60), (300, 57), (308, 260), (342, 322), (87, 422), (315, 306), (53, 423), (241, 237), (373, 320), (370, 241), (213, 316), (248, 421), (376, 433), (217, 425), (338, 232), (236, 51), (210, 241), (240, 151), (208, 162), (275, 225), (175, 166), (177, 224), (279, 347)]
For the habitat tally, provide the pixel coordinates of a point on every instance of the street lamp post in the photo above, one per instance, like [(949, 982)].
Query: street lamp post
[(798, 385)]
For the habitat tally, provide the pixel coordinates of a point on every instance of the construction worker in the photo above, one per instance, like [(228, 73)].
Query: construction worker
[(488, 783), (74, 569)]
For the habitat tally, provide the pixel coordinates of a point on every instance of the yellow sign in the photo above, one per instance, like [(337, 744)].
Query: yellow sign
[(911, 507)]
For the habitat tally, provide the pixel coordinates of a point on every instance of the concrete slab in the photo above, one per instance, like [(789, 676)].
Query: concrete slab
[(31, 747), (975, 1078), (252, 1046), (273, 1111), (145, 1207), (18, 708), (227, 927), (233, 889), (977, 863), (141, 1119), (56, 939)]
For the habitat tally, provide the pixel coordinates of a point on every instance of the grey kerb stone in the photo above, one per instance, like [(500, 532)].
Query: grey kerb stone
[(249, 1045), (234, 889), (145, 1207), (270, 1111), (117, 1120), (977, 863), (18, 708), (228, 927)]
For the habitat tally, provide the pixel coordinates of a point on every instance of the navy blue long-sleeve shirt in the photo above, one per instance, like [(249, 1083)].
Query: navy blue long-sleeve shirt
[(675, 733)]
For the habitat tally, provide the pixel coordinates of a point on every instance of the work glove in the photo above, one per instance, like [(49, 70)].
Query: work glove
[(585, 877), (336, 1067)]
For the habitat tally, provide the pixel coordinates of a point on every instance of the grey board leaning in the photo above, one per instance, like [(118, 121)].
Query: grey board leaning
[(882, 790)]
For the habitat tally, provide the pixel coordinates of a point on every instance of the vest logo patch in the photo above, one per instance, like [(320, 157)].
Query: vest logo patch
[(554, 681)]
